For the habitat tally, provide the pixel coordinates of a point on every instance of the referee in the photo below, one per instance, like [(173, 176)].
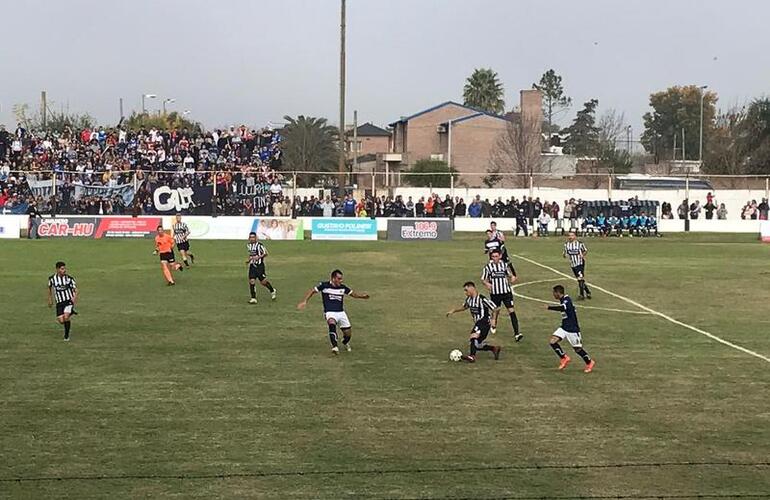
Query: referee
[(62, 287), (576, 251), (181, 235), (498, 278)]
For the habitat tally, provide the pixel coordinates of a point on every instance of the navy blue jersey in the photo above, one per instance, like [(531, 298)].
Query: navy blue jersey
[(332, 295), (569, 321)]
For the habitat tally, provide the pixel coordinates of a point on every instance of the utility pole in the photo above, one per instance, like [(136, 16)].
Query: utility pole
[(44, 109), (355, 141), (120, 103), (342, 159), (700, 148)]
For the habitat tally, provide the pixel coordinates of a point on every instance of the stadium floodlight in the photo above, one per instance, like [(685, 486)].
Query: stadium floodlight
[(147, 96), (167, 101)]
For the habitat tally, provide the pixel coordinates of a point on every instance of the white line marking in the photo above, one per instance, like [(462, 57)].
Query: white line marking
[(609, 309), (652, 311)]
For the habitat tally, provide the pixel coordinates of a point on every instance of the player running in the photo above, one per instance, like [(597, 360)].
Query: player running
[(256, 262), (576, 251), (498, 278), (62, 287), (181, 236), (496, 240), (333, 292), (481, 309), (164, 245), (570, 329)]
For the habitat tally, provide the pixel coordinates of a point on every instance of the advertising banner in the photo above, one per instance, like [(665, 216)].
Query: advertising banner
[(67, 227), (343, 229), (764, 231), (238, 228), (127, 227), (419, 229), (10, 226)]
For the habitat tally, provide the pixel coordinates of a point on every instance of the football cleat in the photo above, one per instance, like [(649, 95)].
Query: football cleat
[(469, 358), (252, 301), (564, 362), (590, 366), (335, 350), (192, 259), (493, 331), (170, 283), (273, 294), (347, 347), (518, 337)]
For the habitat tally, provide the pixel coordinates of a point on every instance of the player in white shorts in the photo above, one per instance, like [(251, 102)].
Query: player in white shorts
[(570, 330), (333, 292)]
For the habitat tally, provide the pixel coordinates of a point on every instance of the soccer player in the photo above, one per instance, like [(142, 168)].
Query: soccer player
[(181, 235), (333, 292), (570, 329), (256, 262), (62, 287), (498, 278), (164, 245), (575, 250), (481, 310)]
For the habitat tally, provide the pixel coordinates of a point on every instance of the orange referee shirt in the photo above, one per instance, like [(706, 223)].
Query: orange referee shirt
[(164, 243)]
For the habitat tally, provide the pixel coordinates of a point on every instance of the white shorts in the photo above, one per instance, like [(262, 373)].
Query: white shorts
[(573, 338), (339, 317)]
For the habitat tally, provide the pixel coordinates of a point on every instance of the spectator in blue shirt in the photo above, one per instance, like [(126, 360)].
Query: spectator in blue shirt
[(349, 206), (474, 209)]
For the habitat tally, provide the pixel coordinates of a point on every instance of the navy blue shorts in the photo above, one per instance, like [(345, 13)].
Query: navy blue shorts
[(257, 272), (579, 270), (482, 328), (185, 245)]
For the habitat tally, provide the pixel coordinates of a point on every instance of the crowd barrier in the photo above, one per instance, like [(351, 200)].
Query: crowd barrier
[(332, 228)]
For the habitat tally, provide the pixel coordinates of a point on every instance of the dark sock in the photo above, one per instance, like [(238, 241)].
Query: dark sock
[(473, 348), (583, 354), (253, 290), (585, 289), (345, 339), (186, 263), (333, 338), (581, 287), (558, 350), (67, 329), (515, 323), (269, 287)]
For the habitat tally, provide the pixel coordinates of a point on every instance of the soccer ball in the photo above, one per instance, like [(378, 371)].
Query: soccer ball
[(455, 355)]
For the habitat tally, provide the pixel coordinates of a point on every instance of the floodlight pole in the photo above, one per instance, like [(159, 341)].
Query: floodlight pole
[(342, 158)]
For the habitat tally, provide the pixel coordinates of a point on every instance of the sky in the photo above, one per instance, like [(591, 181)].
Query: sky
[(255, 61)]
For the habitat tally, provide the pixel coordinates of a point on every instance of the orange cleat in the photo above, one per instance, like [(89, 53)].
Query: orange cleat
[(564, 362), (590, 366)]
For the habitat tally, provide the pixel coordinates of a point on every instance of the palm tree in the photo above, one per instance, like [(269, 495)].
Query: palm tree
[(483, 90), (310, 145)]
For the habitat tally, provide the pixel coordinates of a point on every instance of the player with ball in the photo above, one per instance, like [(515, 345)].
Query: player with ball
[(481, 310)]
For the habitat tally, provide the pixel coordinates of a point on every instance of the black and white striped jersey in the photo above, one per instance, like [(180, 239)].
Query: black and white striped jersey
[(574, 250), (255, 250), (63, 287), (480, 307), (498, 235), (499, 275), (181, 232), (493, 244)]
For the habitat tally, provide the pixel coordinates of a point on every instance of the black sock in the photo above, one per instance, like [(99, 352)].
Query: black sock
[(515, 323), (67, 329), (345, 339), (253, 290), (333, 338), (473, 348), (558, 350), (185, 262), (269, 287), (581, 287), (583, 354), (585, 289)]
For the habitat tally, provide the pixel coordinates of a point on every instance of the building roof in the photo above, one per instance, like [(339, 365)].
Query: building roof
[(370, 130), (478, 115), (473, 113)]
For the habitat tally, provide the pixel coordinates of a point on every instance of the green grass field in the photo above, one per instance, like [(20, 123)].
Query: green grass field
[(190, 392)]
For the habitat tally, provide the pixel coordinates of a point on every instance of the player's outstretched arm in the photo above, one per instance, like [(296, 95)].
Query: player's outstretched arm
[(559, 308), (307, 296), (359, 295), (457, 310)]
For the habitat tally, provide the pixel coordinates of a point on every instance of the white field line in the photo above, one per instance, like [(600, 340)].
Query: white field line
[(654, 312), (609, 309)]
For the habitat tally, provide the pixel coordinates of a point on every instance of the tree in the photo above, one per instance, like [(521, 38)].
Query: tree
[(674, 109), (756, 136), (483, 90), (611, 158), (740, 141), (554, 99), (435, 173), (60, 122), (517, 151), (310, 145), (583, 137), (167, 121)]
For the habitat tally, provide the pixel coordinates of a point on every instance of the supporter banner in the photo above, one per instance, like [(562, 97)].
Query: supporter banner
[(10, 226), (67, 227), (343, 229), (419, 229), (45, 189), (168, 200), (238, 228), (127, 227), (764, 231)]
